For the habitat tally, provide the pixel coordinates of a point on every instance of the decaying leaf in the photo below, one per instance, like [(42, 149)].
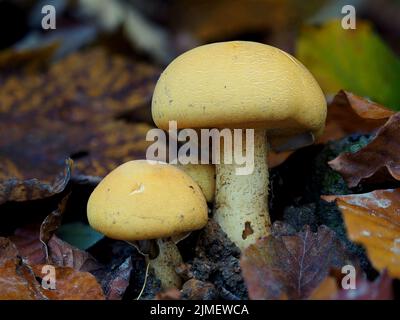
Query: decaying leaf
[(71, 285), (21, 185), (64, 255), (380, 289), (51, 223), (331, 288), (198, 290), (85, 86), (20, 281), (373, 220), (17, 281), (377, 161), (70, 111), (60, 253), (29, 246), (290, 265), (333, 55), (349, 113), (170, 294), (116, 281)]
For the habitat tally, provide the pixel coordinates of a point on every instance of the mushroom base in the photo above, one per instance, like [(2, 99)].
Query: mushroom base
[(241, 201)]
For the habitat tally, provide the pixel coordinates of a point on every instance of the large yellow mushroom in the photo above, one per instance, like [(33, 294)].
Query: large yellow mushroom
[(244, 85)]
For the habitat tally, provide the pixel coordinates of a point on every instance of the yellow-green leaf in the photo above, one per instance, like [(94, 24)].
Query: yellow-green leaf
[(354, 60)]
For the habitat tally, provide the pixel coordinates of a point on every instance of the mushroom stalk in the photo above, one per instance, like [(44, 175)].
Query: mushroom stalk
[(165, 263), (241, 201)]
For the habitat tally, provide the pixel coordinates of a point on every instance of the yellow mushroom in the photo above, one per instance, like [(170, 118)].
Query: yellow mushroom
[(204, 176), (143, 200), (242, 85)]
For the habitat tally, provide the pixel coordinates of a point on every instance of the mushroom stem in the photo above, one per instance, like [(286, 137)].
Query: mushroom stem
[(241, 201), (165, 263)]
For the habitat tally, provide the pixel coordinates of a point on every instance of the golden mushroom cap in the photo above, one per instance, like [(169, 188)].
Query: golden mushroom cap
[(239, 84), (204, 176), (143, 199)]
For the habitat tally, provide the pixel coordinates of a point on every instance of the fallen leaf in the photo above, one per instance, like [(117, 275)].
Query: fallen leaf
[(379, 289), (355, 60), (27, 241), (17, 185), (61, 254), (51, 223), (377, 161), (64, 255), (17, 281), (198, 290), (72, 285), (349, 113), (117, 281), (170, 294), (291, 265), (70, 111), (373, 220)]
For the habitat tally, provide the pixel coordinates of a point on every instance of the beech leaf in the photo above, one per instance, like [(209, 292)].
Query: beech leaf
[(373, 220), (378, 161), (290, 265)]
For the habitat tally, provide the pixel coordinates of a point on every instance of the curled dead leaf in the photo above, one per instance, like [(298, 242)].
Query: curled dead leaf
[(378, 161), (349, 113), (373, 220), (17, 281)]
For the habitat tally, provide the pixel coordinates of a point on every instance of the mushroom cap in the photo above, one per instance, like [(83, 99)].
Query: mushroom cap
[(204, 176), (143, 200), (239, 84)]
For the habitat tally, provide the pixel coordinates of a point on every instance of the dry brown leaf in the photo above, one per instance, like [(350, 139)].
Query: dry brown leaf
[(291, 265), (64, 255), (373, 220), (117, 281), (72, 285), (349, 113), (194, 289), (27, 241), (379, 289), (377, 161), (61, 254), (170, 294), (17, 281), (70, 111)]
